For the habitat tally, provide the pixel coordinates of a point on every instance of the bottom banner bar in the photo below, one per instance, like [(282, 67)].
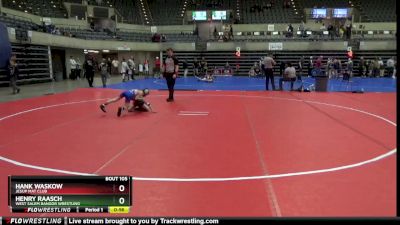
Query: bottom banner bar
[(172, 220)]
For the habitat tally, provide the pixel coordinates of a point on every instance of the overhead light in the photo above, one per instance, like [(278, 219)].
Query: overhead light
[(106, 51)]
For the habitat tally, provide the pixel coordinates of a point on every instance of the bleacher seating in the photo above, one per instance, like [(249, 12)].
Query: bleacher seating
[(166, 12), (146, 37), (247, 59), (45, 8), (323, 4), (276, 14), (86, 34), (15, 22), (33, 61), (371, 11), (211, 4)]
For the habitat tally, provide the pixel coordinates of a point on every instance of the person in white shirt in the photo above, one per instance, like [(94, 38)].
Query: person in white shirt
[(381, 67), (131, 68), (72, 65), (288, 75), (115, 64), (140, 69), (267, 67), (146, 67), (124, 70), (390, 67), (350, 67)]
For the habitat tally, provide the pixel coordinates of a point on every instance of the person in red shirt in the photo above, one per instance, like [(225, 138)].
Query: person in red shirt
[(157, 68)]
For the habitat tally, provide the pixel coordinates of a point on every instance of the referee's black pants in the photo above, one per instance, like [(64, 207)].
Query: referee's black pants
[(170, 84), (269, 75)]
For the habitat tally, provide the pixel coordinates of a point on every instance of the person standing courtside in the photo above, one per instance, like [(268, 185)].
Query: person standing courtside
[(13, 73), (88, 66), (104, 72), (170, 68), (269, 64), (72, 65)]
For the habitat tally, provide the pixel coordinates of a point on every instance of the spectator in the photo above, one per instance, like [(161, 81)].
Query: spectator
[(375, 67), (390, 67), (230, 32), (185, 68), (302, 29), (104, 72), (369, 66), (13, 73), (381, 67), (252, 72), (92, 25), (290, 30), (146, 67), (348, 30), (157, 68), (163, 38), (88, 67), (257, 70), (227, 68), (288, 75), (362, 67), (73, 67), (196, 67), (301, 66), (109, 65), (350, 67), (115, 64), (335, 68), (215, 33), (329, 67), (124, 70), (140, 69), (310, 66), (339, 71), (203, 66), (317, 66), (282, 67), (156, 38), (331, 31)]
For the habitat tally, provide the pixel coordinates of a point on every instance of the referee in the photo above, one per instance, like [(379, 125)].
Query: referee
[(170, 69)]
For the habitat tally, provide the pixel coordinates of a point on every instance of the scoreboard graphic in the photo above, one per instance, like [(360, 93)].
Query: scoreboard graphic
[(70, 194)]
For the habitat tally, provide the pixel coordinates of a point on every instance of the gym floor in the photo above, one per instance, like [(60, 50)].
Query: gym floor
[(212, 153)]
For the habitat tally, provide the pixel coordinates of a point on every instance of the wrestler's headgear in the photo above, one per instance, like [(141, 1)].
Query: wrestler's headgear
[(146, 91)]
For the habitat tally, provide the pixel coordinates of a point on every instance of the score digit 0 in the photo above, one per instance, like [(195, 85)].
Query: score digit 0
[(121, 188), (121, 200)]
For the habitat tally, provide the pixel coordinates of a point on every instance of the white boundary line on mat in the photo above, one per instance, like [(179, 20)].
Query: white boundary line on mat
[(272, 176)]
